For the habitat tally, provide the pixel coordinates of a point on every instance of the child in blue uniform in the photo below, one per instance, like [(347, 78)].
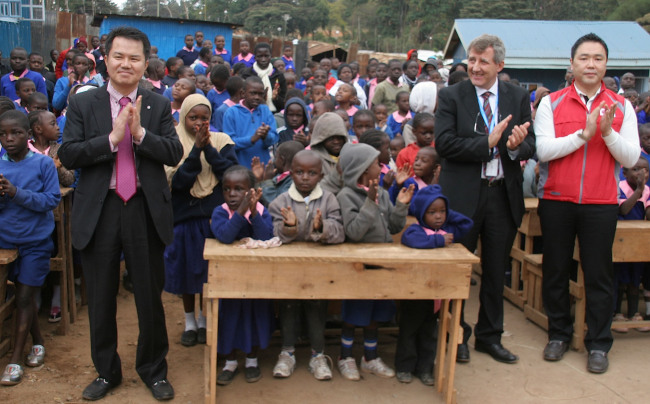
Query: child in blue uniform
[(437, 226), (29, 190), (196, 191), (244, 324), (368, 217)]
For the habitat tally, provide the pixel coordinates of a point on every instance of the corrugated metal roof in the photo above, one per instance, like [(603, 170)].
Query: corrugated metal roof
[(547, 44)]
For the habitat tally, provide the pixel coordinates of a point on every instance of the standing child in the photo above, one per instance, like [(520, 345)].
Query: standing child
[(287, 58), (29, 190), (235, 88), (251, 124), (346, 99), (172, 65), (296, 120), (368, 217), (19, 69), (362, 121), (244, 55), (246, 324), (426, 170), (346, 76), (305, 213), (305, 74), (380, 141), (182, 89), (438, 226), (381, 117), (203, 83), (155, 73), (76, 76), (634, 204), (220, 50), (37, 102), (196, 192), (423, 125), (219, 76), (24, 88), (203, 61), (399, 118)]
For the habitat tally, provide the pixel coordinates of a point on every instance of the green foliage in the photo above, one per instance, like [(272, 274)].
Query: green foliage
[(630, 10), (645, 22)]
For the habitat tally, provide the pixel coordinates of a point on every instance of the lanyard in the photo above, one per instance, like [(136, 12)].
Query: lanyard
[(493, 122)]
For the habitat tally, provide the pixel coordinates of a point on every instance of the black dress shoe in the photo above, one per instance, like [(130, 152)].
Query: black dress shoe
[(555, 350), (597, 362), (98, 389), (162, 390), (225, 377), (252, 374), (200, 338), (462, 354), (189, 338), (497, 352)]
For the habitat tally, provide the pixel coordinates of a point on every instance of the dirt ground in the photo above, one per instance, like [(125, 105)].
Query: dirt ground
[(68, 369)]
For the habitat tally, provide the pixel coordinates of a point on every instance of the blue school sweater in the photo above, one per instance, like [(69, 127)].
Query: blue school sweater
[(240, 124), (216, 100), (61, 91), (217, 117), (28, 217), (168, 93), (419, 235), (8, 87), (227, 229), (226, 56)]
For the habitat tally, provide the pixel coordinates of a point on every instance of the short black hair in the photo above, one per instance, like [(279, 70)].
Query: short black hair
[(293, 93), (363, 112), (374, 138), (591, 37), (341, 67), (129, 33), (34, 117), (34, 54), (36, 96), (182, 69), (219, 72), (239, 168), (262, 45), (422, 117), (234, 85), (288, 149), (237, 67), (253, 80), (205, 52), (171, 62), (457, 77), (6, 104), (408, 62), (400, 94), (17, 116), (21, 81)]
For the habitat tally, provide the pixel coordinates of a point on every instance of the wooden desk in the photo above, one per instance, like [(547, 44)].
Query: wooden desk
[(529, 228), (630, 245), (7, 307), (62, 262), (315, 271)]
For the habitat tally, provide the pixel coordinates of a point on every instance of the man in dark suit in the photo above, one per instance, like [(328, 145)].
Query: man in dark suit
[(482, 132), (121, 137)]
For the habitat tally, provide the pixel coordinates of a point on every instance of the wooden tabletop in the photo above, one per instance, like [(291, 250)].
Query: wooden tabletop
[(347, 252), (531, 203)]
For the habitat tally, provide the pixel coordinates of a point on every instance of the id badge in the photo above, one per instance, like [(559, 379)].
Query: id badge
[(492, 168)]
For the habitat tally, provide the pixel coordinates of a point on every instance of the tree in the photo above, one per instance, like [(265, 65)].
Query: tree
[(630, 10)]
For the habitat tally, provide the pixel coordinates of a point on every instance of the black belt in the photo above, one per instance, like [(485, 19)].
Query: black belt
[(493, 183)]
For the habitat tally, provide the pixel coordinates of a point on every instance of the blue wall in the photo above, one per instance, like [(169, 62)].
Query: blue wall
[(14, 35), (169, 36)]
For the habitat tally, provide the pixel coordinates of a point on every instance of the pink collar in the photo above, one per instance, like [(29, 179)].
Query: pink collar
[(155, 83), (290, 59), (248, 109), (12, 77), (299, 128), (247, 215), (175, 111), (30, 146), (384, 168), (628, 191), (219, 92), (220, 52), (203, 63), (188, 49), (246, 58), (228, 102), (399, 118), (420, 182), (282, 176), (430, 232)]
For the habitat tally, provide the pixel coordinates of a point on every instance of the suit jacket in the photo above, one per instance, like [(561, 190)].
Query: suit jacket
[(464, 150), (86, 146)]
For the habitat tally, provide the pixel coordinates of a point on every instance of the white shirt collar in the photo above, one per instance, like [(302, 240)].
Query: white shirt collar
[(581, 94), (493, 89)]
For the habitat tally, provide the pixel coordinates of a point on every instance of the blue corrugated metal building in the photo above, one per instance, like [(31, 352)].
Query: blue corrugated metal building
[(538, 52), (167, 34)]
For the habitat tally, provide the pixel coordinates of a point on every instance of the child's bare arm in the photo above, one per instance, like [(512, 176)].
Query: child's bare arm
[(629, 203)]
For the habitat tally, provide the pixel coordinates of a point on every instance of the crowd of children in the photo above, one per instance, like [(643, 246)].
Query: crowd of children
[(329, 156)]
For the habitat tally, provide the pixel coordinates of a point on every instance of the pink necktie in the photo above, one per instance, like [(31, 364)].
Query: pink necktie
[(125, 180)]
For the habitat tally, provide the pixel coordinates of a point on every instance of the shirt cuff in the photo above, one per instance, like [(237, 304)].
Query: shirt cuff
[(113, 148), (138, 142), (513, 154), (611, 138)]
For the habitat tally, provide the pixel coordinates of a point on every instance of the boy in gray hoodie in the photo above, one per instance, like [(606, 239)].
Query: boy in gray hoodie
[(368, 217), (305, 213)]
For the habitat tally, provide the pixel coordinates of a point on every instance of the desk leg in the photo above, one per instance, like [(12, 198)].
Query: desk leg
[(450, 363), (68, 262), (443, 327), (213, 317)]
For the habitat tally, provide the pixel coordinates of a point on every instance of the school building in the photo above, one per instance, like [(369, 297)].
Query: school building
[(538, 52)]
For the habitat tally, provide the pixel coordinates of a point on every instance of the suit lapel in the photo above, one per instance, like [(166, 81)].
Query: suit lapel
[(102, 111), (469, 100), (505, 101), (145, 110)]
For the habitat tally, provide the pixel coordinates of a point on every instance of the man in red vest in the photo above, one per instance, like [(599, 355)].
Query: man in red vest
[(583, 132)]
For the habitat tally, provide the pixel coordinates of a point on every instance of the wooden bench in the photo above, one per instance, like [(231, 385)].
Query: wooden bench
[(62, 262), (7, 306), (529, 228), (288, 272)]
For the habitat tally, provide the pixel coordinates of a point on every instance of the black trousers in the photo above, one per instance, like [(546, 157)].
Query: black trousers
[(595, 227), (315, 315), (493, 222), (126, 228), (416, 344)]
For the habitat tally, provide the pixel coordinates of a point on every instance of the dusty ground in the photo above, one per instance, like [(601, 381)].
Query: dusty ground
[(68, 369)]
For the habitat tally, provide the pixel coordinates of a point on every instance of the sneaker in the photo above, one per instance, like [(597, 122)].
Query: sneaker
[(426, 378), (620, 317), (377, 367), (320, 368), (55, 315), (285, 365), (225, 377), (639, 317), (348, 369), (12, 375), (404, 377), (36, 356)]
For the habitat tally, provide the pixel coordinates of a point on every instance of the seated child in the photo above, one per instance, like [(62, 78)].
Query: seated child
[(426, 170), (368, 217), (196, 192), (381, 117), (437, 226), (423, 124), (396, 146), (275, 178), (399, 118), (305, 213), (251, 125), (180, 91), (634, 204), (29, 190), (244, 324), (296, 119), (235, 89), (24, 88), (327, 139), (380, 141)]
